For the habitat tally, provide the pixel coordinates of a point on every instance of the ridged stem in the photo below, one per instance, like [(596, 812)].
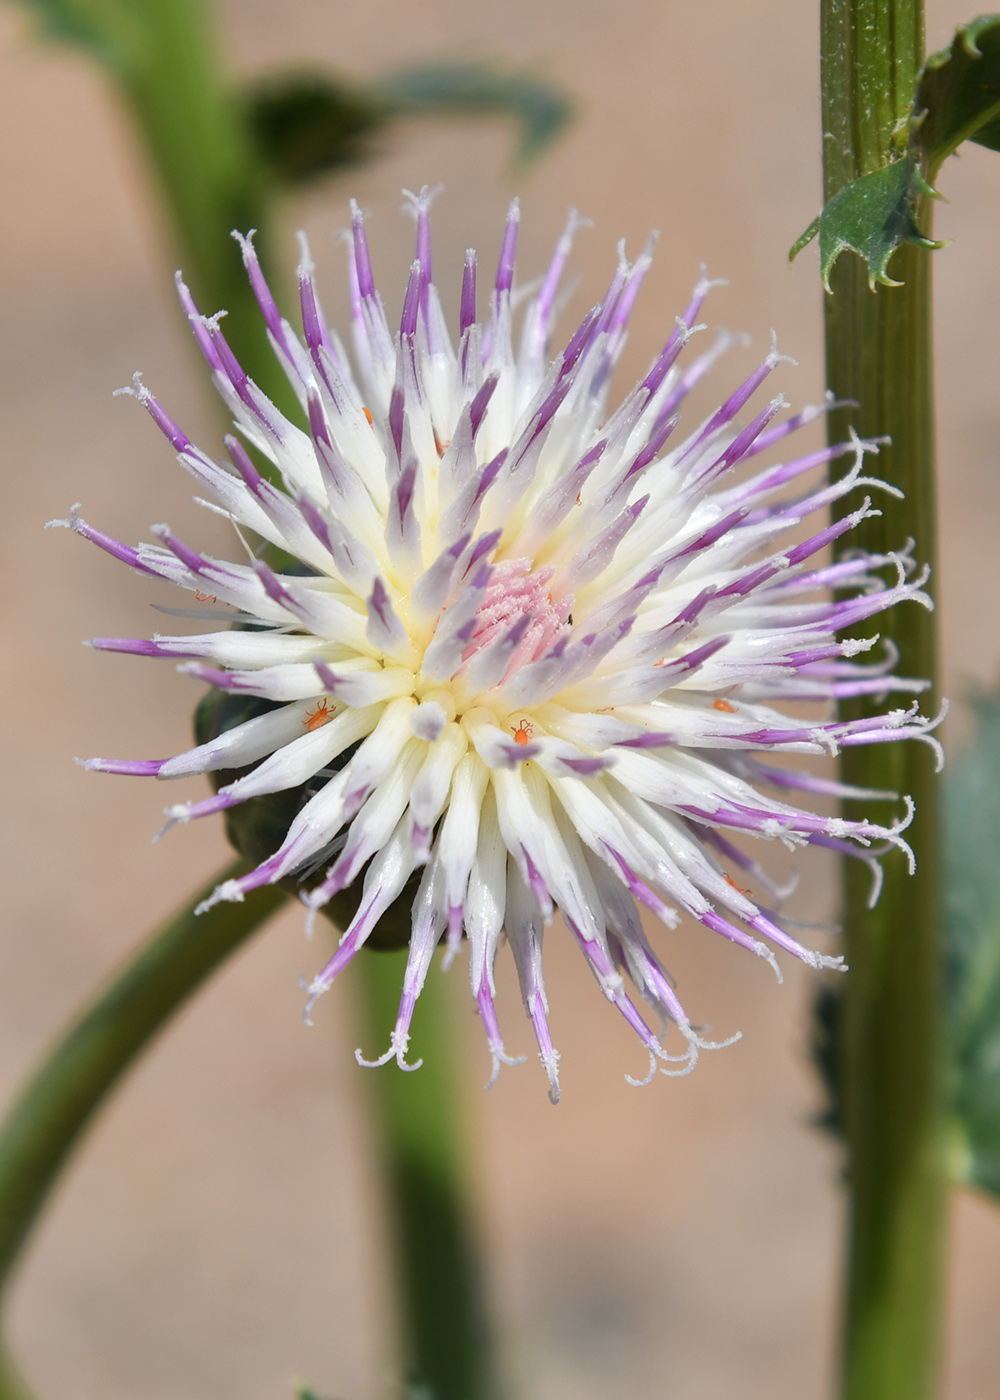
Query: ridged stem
[(879, 353), (46, 1122)]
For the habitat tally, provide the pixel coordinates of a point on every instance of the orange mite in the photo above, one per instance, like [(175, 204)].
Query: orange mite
[(368, 414), (522, 733), (724, 706), (730, 881), (205, 597), (319, 716)]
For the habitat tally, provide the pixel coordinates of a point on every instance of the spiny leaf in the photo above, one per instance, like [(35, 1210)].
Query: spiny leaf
[(872, 216), (958, 94), (972, 908)]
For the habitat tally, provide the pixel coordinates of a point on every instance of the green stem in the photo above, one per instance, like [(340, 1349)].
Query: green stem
[(45, 1123), (198, 145), (879, 353), (418, 1121)]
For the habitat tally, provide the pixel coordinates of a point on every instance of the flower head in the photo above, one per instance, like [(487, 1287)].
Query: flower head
[(530, 658)]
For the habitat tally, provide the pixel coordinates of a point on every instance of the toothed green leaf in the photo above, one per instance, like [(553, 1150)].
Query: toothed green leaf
[(872, 216)]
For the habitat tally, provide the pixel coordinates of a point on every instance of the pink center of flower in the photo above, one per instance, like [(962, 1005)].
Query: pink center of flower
[(517, 596)]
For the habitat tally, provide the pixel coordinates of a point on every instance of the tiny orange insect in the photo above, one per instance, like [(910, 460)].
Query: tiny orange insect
[(368, 414), (724, 706), (730, 881), (319, 716), (205, 597), (522, 733)]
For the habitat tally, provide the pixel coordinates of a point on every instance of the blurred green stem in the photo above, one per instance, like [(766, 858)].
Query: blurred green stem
[(879, 353), (58, 1102), (196, 140), (418, 1123), (162, 57)]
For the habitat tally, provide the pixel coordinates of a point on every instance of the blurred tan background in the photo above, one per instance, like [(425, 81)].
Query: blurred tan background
[(218, 1234)]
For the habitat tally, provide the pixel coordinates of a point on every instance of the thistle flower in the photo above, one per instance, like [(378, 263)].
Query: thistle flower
[(530, 659)]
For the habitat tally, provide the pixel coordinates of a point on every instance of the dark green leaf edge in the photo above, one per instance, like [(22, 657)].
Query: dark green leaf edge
[(542, 111), (306, 124)]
